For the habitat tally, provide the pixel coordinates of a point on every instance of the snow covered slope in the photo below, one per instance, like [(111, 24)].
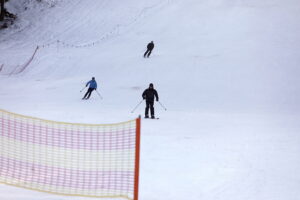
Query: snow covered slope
[(224, 55), (227, 70)]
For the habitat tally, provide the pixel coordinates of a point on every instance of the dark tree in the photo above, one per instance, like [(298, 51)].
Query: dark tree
[(2, 10)]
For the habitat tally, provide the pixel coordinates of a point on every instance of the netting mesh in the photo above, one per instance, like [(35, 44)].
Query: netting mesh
[(65, 158)]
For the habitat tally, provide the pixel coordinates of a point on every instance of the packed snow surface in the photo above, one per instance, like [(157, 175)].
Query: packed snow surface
[(226, 70)]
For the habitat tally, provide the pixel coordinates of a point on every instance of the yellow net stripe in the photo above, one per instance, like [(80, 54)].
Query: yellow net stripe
[(65, 123)]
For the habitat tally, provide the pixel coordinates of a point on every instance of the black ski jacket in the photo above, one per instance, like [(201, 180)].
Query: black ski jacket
[(150, 46), (149, 94)]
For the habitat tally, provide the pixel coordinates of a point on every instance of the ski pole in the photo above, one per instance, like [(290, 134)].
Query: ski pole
[(137, 106), (162, 106), (99, 94), (82, 89)]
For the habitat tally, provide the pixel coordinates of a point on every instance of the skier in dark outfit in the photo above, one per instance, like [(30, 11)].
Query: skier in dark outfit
[(92, 87), (150, 47), (149, 95)]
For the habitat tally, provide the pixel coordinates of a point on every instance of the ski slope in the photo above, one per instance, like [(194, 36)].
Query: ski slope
[(227, 71)]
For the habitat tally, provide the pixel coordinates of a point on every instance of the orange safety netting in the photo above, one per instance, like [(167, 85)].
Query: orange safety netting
[(71, 159)]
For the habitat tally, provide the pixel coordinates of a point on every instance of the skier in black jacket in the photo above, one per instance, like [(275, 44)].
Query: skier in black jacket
[(150, 47), (149, 95)]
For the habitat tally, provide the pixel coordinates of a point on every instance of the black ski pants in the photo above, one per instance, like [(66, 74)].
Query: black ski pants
[(148, 53), (88, 93), (149, 104)]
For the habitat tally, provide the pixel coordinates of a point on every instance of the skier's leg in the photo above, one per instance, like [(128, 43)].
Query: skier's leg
[(152, 109), (146, 53), (90, 92), (86, 94), (149, 53), (147, 110), (89, 95)]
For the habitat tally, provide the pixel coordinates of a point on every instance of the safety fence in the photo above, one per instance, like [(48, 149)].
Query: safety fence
[(92, 160)]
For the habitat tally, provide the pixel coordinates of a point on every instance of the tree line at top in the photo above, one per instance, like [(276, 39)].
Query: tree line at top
[(5, 17)]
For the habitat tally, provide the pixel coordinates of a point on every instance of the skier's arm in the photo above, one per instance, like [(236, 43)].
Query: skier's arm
[(156, 95), (144, 95), (87, 83)]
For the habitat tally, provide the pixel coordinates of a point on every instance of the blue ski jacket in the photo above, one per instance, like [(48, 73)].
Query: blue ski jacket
[(92, 83)]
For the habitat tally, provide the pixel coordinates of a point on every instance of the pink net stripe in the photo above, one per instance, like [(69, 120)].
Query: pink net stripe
[(60, 177), (73, 139)]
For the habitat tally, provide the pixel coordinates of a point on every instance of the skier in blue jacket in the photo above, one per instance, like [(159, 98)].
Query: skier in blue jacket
[(92, 86)]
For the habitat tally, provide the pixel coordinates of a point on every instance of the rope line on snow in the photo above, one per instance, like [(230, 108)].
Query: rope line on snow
[(113, 32), (57, 43), (90, 44), (20, 68), (25, 65)]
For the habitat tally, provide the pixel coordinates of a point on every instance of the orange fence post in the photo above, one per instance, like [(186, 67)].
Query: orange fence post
[(137, 158)]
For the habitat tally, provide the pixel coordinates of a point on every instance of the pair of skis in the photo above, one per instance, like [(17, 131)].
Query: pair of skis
[(151, 118)]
